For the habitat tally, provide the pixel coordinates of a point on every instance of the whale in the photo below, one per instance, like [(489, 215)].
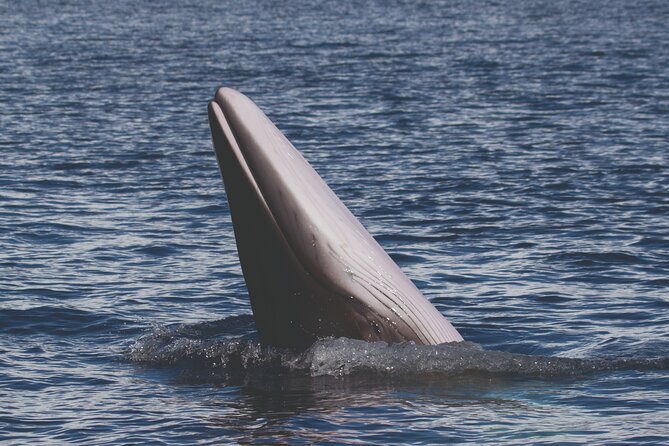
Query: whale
[(311, 269)]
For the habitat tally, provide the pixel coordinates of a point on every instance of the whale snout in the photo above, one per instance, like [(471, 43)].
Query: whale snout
[(311, 269)]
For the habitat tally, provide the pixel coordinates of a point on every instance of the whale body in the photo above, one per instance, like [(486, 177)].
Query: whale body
[(311, 269)]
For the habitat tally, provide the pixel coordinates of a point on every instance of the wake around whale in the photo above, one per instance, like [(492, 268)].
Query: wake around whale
[(311, 269)]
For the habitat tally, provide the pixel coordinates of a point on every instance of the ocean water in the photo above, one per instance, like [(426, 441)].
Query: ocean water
[(512, 157)]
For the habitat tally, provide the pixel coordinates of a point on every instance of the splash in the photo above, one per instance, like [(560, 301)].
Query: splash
[(227, 350)]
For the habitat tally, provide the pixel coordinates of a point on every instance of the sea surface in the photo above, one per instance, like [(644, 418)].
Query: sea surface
[(511, 156)]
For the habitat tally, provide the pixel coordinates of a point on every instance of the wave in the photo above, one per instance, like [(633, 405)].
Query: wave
[(58, 321), (227, 350)]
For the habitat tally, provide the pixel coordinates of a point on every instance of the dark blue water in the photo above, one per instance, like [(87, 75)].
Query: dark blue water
[(512, 157)]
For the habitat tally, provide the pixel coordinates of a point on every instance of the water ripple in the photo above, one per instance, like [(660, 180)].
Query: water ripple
[(511, 156)]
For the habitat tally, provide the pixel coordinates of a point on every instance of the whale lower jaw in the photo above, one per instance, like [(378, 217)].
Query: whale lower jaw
[(311, 269)]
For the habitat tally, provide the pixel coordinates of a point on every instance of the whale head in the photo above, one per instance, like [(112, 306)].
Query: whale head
[(311, 269)]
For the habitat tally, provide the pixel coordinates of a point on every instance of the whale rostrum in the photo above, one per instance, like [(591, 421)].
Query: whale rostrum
[(311, 269)]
